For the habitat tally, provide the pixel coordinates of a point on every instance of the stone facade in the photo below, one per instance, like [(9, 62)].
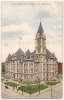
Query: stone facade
[(41, 63)]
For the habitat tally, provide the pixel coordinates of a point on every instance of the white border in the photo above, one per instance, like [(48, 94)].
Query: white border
[(1, 41)]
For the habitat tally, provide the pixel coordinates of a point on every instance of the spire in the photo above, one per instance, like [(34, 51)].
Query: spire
[(40, 29)]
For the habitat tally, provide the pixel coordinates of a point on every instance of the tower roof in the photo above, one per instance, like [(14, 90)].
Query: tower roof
[(8, 58), (19, 53), (40, 29), (28, 54)]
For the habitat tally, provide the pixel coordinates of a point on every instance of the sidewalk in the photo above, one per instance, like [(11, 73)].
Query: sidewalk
[(34, 94)]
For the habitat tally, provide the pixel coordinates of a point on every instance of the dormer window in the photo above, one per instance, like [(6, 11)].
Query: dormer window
[(38, 50)]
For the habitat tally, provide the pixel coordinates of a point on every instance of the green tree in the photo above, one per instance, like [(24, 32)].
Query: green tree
[(3, 67)]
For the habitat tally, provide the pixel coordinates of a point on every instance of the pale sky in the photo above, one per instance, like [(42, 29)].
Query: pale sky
[(23, 19)]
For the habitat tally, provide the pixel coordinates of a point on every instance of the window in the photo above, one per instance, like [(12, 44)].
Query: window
[(24, 70), (43, 50), (17, 64), (17, 70), (43, 42), (38, 50), (13, 68), (31, 70), (31, 76), (25, 65), (13, 75), (17, 75), (53, 74), (31, 64), (24, 76), (36, 70), (21, 70), (38, 42)]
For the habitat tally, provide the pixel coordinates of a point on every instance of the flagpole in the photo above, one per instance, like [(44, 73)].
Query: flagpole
[(19, 42)]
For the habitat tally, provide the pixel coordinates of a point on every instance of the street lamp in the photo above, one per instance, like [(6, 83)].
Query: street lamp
[(51, 92), (29, 86), (38, 79)]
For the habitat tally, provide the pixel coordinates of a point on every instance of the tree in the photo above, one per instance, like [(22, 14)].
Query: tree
[(3, 67)]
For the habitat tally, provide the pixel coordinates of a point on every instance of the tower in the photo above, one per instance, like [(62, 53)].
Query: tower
[(40, 47)]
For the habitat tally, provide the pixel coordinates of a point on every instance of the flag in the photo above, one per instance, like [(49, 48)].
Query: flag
[(21, 38)]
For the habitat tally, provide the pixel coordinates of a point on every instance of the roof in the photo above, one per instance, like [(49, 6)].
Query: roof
[(28, 54), (48, 53), (33, 52), (8, 58), (19, 53), (40, 29)]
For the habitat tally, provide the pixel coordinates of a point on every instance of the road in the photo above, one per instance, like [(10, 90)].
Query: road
[(10, 94), (56, 94)]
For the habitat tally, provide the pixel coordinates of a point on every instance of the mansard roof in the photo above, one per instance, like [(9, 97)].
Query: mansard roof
[(40, 29), (28, 54), (19, 53), (33, 52), (8, 58), (48, 53)]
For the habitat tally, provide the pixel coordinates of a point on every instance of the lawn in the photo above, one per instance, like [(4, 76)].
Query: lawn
[(11, 84), (51, 82), (32, 88), (2, 79)]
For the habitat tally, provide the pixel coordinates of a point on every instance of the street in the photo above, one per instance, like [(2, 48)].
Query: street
[(55, 94), (10, 94)]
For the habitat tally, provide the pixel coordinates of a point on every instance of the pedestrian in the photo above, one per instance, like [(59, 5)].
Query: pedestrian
[(13, 88), (22, 90), (16, 87)]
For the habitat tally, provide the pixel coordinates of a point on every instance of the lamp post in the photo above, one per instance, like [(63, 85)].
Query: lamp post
[(38, 79), (29, 85), (51, 91), (59, 77), (30, 89)]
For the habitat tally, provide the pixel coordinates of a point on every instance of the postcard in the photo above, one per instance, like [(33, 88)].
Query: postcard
[(31, 33)]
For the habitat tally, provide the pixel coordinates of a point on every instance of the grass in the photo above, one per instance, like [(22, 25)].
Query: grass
[(33, 88), (2, 79), (51, 82), (11, 84)]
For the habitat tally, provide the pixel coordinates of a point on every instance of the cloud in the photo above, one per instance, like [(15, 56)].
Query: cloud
[(24, 27), (57, 49), (5, 44), (44, 14), (28, 41), (19, 14), (58, 26), (20, 20), (52, 33)]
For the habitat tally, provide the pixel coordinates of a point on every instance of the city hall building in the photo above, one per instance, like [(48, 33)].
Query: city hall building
[(41, 63)]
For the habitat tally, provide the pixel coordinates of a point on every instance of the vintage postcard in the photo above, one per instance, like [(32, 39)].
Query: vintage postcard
[(31, 50)]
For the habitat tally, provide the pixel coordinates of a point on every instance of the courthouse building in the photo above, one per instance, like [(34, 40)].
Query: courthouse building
[(41, 63)]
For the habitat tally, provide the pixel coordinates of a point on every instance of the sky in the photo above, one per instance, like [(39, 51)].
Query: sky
[(23, 19)]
